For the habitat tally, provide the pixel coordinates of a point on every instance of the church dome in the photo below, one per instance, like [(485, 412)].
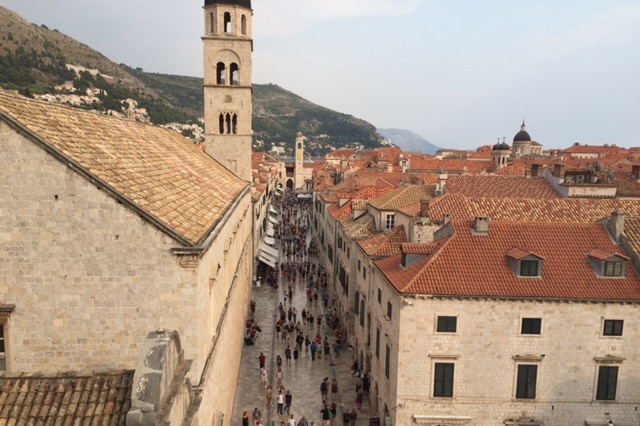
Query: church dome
[(241, 3), (501, 146), (522, 135)]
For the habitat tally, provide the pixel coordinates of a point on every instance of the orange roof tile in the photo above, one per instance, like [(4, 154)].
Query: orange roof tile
[(530, 210), (384, 244), (403, 196), (476, 266), (158, 170), (31, 399), (500, 186)]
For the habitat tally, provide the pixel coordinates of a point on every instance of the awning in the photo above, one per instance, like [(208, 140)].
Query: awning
[(264, 259), (305, 195), (269, 250), (272, 210), (269, 240), (272, 219), (270, 231), (267, 256)]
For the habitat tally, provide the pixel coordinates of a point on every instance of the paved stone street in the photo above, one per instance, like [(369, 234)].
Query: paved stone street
[(303, 378)]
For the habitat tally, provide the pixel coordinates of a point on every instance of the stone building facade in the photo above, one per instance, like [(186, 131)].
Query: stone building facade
[(111, 229)]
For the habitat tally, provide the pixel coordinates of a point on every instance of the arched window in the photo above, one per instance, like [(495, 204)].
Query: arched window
[(221, 73), (227, 22), (234, 124), (228, 123), (299, 145), (235, 74), (243, 23), (221, 123), (212, 23)]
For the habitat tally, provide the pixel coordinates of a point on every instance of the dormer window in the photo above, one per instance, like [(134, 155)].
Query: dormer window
[(613, 268), (529, 268), (525, 263), (608, 264)]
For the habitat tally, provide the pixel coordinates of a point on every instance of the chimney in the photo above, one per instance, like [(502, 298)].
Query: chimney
[(558, 171), (616, 225), (424, 208), (535, 170), (635, 170), (481, 225)]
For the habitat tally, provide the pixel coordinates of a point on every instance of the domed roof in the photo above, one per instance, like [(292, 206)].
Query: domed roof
[(522, 135), (501, 146), (241, 3)]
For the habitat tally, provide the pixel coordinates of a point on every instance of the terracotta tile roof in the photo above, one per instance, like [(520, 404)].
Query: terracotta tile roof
[(518, 254), (425, 163), (158, 170), (530, 210), (590, 149), (419, 248), (601, 254), (627, 185), (384, 244), (632, 233), (66, 399), (500, 186), (359, 204), (363, 227), (477, 266), (338, 212), (403, 196), (340, 153), (411, 210)]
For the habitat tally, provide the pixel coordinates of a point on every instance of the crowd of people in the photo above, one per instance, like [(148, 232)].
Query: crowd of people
[(309, 329)]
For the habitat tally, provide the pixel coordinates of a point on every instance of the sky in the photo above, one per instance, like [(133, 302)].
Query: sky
[(459, 73)]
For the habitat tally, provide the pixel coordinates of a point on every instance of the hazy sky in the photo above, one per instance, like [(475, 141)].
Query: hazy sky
[(459, 73)]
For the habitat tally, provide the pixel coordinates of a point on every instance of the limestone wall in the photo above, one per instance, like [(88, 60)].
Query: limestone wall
[(487, 347)]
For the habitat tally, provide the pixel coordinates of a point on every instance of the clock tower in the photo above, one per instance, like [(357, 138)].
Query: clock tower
[(228, 47)]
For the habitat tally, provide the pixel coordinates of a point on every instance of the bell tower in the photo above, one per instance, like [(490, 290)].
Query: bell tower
[(299, 167), (228, 47)]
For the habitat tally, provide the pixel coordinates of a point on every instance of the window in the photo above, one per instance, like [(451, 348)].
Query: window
[(3, 355), (387, 361), (379, 296), (391, 220), (359, 265), (607, 383), (529, 268), (389, 310), (364, 273), (446, 324), (361, 313), (377, 342), (227, 22), (526, 384), (612, 327), (443, 379), (221, 73), (235, 74), (613, 268), (243, 24), (531, 325)]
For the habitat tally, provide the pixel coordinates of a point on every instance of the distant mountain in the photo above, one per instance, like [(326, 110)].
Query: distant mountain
[(409, 141), (35, 60)]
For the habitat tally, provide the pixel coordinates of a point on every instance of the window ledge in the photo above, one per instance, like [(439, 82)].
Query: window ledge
[(609, 359), (528, 358), (440, 419)]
